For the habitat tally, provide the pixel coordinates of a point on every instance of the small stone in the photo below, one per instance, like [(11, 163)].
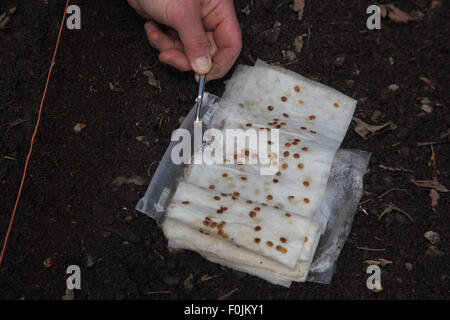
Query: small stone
[(425, 101), (393, 87), (340, 60), (90, 261), (427, 108), (408, 266), (289, 55), (432, 236), (189, 283)]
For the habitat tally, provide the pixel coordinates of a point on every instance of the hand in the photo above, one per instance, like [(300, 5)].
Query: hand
[(202, 35)]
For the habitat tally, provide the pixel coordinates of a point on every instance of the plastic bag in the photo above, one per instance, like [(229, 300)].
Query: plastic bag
[(342, 195)]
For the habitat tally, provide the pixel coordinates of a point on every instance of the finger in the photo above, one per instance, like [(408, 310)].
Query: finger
[(160, 40), (192, 34), (176, 59)]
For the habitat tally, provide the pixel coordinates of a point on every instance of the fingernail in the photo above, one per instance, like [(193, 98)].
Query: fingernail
[(202, 65)]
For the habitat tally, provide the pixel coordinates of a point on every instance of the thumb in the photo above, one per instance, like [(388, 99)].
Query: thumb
[(196, 45)]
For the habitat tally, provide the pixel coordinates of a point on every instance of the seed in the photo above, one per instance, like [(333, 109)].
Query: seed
[(257, 208), (257, 228), (286, 153), (295, 143), (303, 128), (237, 194), (264, 204), (312, 131), (312, 117), (269, 243), (281, 249), (270, 108), (283, 240), (224, 209), (235, 156), (284, 166), (269, 197), (300, 101), (205, 223), (297, 140), (283, 123), (248, 124), (336, 105), (219, 211), (244, 178), (212, 187), (291, 197), (249, 201), (233, 198), (285, 115), (185, 202), (288, 215), (269, 142), (247, 152), (284, 99), (257, 240), (224, 195), (224, 175), (220, 232), (306, 200), (306, 239), (276, 119), (297, 88), (252, 214), (278, 126), (225, 236), (306, 183), (287, 144), (296, 155), (278, 173), (305, 149), (275, 180), (217, 198), (213, 224), (301, 166)]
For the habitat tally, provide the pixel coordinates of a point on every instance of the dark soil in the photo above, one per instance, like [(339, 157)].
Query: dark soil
[(70, 213)]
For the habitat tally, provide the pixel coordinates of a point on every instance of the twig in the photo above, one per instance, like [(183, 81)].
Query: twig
[(158, 292), (370, 249), (394, 189), (394, 169), (227, 295)]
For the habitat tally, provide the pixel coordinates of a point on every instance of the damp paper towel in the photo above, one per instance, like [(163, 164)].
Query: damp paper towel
[(265, 225)]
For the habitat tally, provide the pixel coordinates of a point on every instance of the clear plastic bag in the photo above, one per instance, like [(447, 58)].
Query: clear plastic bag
[(342, 195)]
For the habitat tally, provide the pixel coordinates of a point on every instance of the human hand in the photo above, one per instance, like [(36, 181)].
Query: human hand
[(202, 35)]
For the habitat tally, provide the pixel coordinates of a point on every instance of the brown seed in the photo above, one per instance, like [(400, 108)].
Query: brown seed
[(235, 156), (306, 200), (301, 166), (284, 99), (276, 119), (252, 214), (287, 144), (217, 198), (225, 236), (285, 115), (296, 155), (283, 240), (278, 126), (312, 117), (336, 105), (247, 152), (288, 215), (295, 143), (306, 239), (305, 149), (220, 232), (270, 108), (275, 180), (224, 209), (224, 175), (219, 211), (233, 198), (264, 204), (248, 125), (269, 243), (257, 208), (297, 89), (244, 178), (278, 173), (257, 228), (185, 202), (205, 223), (224, 195), (286, 153), (213, 224), (300, 101), (269, 197), (284, 166), (257, 240), (249, 201), (303, 128), (269, 142), (237, 194), (312, 131), (212, 187), (291, 197), (283, 123), (297, 140), (281, 249), (306, 183)]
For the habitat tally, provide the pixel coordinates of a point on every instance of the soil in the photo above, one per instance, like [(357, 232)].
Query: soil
[(71, 214)]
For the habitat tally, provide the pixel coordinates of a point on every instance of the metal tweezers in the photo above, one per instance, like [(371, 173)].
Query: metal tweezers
[(199, 100)]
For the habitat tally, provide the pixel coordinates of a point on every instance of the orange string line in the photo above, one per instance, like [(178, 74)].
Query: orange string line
[(33, 136)]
